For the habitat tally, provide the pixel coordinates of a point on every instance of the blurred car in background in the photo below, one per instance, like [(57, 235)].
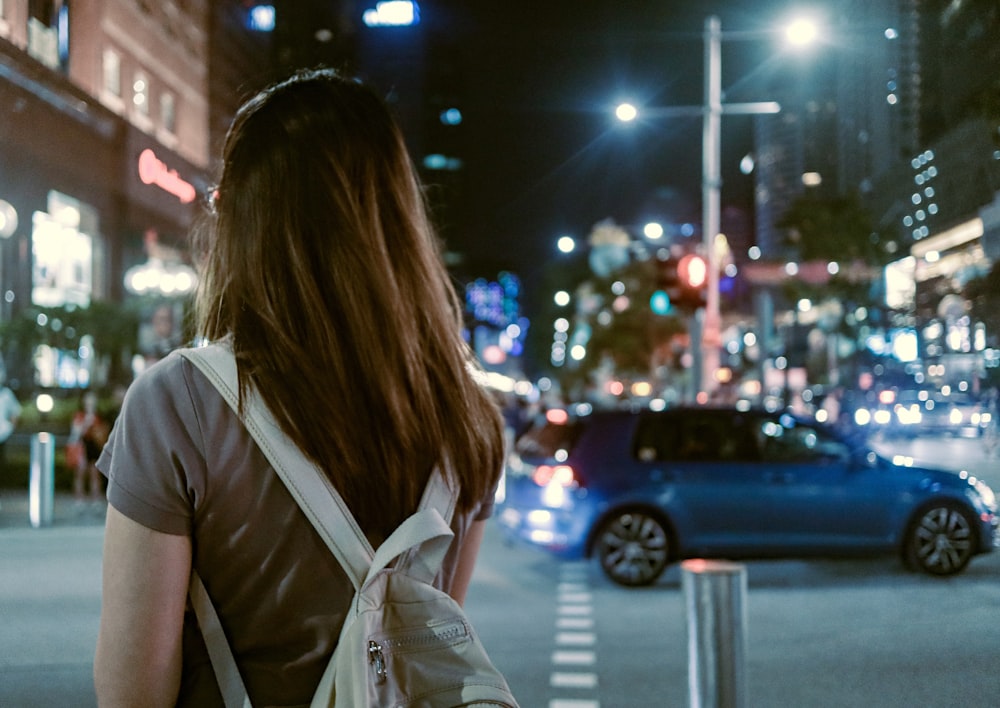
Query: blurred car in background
[(958, 414), (908, 413), (895, 413), (642, 489)]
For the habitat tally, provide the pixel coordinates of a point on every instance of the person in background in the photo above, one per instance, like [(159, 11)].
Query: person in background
[(322, 273), (87, 436)]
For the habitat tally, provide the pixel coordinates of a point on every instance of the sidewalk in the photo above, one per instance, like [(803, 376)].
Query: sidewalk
[(50, 602), (14, 511)]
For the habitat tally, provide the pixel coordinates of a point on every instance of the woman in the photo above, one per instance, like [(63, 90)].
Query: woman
[(321, 270)]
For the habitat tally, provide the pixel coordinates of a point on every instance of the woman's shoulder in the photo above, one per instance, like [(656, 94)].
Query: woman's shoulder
[(170, 371), (167, 383)]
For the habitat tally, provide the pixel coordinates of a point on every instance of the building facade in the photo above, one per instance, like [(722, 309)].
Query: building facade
[(105, 158)]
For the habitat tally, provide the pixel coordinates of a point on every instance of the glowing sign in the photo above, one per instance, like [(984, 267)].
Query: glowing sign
[(154, 171)]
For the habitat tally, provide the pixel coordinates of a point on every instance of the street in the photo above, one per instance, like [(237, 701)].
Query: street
[(820, 633)]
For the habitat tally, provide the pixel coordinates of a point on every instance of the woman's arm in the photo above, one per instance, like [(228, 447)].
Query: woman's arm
[(145, 584), (467, 555)]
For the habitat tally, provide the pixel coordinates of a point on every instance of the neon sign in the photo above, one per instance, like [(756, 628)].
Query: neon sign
[(154, 171)]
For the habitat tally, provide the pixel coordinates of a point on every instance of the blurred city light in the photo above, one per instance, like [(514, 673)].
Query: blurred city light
[(261, 18), (653, 230), (566, 244), (452, 116), (44, 403), (626, 112), (801, 32), (8, 219), (393, 13), (154, 277), (437, 161)]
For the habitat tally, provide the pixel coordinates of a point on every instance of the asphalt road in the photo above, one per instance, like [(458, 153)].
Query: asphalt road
[(819, 633), (823, 633)]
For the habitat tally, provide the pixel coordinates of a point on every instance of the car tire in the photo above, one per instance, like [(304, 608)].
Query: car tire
[(940, 540), (633, 547)]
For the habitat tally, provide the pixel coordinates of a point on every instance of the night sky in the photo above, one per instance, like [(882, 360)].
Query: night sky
[(544, 155)]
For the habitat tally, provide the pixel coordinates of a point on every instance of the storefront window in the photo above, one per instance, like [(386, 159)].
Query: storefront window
[(62, 256), (62, 250)]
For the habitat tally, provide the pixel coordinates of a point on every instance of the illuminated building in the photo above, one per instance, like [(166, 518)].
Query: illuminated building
[(105, 147)]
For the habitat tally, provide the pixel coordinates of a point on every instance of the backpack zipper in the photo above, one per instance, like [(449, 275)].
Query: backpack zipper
[(377, 659), (443, 634)]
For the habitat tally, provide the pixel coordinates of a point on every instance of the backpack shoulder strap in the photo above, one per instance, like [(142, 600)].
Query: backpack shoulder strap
[(312, 489), (425, 536), (420, 542), (227, 675)]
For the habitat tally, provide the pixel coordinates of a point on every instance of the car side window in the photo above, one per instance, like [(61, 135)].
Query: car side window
[(799, 443), (700, 439), (696, 437), (655, 436)]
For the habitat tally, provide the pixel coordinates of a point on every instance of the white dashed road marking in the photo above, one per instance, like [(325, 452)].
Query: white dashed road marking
[(574, 634)]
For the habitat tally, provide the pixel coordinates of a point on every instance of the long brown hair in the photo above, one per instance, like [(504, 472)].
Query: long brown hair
[(322, 267)]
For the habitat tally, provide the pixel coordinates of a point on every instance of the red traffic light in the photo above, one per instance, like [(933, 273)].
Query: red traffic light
[(693, 270)]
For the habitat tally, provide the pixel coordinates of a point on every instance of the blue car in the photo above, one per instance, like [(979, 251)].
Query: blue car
[(643, 489)]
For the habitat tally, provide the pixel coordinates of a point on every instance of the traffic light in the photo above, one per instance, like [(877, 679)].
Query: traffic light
[(667, 290), (692, 272), (680, 284)]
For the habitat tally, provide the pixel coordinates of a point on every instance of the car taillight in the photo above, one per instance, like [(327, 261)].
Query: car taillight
[(561, 475)]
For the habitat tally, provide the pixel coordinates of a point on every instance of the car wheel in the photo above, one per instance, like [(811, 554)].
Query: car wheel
[(633, 548), (940, 541)]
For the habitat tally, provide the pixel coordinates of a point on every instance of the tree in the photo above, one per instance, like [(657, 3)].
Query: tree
[(834, 229), (112, 327), (838, 229)]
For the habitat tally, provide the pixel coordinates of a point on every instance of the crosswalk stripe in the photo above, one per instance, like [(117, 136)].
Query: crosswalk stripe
[(573, 680), (576, 638), (578, 658), (574, 623)]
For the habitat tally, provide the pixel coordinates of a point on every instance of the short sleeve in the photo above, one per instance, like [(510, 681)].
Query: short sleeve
[(154, 458)]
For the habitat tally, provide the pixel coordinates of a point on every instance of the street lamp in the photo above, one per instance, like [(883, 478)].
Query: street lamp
[(711, 111)]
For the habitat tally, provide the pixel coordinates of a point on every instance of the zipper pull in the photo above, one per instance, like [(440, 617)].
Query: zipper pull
[(376, 657)]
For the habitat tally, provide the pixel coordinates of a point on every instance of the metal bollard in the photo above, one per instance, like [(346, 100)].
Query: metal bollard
[(715, 593), (41, 484)]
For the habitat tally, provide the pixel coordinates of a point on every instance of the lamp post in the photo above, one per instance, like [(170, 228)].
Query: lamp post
[(711, 111)]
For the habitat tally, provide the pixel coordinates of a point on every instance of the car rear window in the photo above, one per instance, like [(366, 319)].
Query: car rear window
[(547, 439)]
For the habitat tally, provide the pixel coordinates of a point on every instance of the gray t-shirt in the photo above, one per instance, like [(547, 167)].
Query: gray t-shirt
[(179, 461)]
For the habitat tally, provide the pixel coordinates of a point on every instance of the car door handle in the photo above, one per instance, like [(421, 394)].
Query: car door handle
[(779, 477)]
